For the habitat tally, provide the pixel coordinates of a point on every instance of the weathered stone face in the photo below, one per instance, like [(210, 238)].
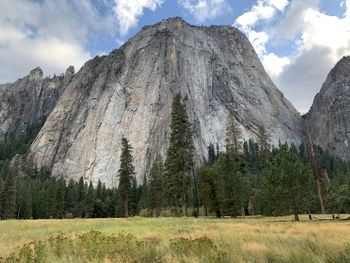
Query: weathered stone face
[(329, 116), (29, 100), (129, 92)]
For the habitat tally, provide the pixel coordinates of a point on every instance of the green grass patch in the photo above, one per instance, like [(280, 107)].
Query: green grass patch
[(253, 240)]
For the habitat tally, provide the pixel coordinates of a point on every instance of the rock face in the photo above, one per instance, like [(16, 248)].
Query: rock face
[(329, 115), (29, 101), (129, 93)]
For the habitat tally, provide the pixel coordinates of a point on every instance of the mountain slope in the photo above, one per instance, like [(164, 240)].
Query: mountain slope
[(29, 101), (129, 92), (329, 115)]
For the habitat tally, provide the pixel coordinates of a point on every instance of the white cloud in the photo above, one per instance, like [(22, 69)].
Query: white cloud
[(279, 4), (275, 64), (52, 34), (263, 10), (20, 53), (258, 40), (128, 11), (203, 10), (302, 78), (321, 41), (260, 11), (323, 30)]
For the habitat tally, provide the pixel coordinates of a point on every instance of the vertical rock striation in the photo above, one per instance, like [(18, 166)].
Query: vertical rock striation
[(29, 101), (129, 93)]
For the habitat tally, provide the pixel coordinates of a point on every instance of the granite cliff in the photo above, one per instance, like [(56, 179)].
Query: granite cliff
[(129, 93), (329, 115), (29, 101)]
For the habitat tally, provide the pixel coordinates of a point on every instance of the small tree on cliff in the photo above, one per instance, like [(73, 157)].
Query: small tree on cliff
[(125, 174), (179, 160)]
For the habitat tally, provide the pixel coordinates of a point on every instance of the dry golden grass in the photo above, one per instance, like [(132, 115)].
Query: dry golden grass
[(250, 239)]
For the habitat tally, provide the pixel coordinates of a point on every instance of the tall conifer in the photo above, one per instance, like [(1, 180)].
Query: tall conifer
[(179, 160), (8, 196), (233, 140), (125, 173), (155, 185), (287, 183)]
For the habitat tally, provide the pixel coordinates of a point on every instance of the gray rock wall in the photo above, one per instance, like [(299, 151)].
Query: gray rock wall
[(129, 92), (29, 101), (329, 116)]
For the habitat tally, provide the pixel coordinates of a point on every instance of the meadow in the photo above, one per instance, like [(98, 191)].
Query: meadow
[(249, 239)]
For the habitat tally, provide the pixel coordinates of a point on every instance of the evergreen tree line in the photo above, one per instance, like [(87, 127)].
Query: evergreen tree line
[(245, 178), (241, 178), (13, 145), (43, 196)]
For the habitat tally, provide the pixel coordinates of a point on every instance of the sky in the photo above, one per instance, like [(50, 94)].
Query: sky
[(298, 41)]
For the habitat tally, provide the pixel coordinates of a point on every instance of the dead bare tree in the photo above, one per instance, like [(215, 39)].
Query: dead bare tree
[(316, 170)]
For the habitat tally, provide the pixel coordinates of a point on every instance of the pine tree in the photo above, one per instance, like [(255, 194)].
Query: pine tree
[(155, 188), (233, 140), (8, 196), (70, 198), (133, 197), (211, 154), (208, 189), (24, 198), (81, 195), (50, 195), (60, 198), (143, 193), (179, 160), (234, 184), (90, 196), (125, 173), (99, 190), (263, 143), (287, 183)]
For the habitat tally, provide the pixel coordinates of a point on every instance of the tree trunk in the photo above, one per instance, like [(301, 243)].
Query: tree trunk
[(126, 207), (184, 208), (157, 212), (317, 171), (296, 216), (184, 197), (195, 191)]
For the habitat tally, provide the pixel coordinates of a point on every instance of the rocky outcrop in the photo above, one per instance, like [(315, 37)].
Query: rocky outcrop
[(29, 101), (129, 93), (329, 115)]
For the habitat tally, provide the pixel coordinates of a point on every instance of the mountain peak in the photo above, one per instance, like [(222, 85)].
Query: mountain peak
[(343, 65), (172, 22), (36, 73), (129, 93), (70, 70)]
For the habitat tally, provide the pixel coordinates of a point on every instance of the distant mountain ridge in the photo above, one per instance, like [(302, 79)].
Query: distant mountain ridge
[(29, 100)]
